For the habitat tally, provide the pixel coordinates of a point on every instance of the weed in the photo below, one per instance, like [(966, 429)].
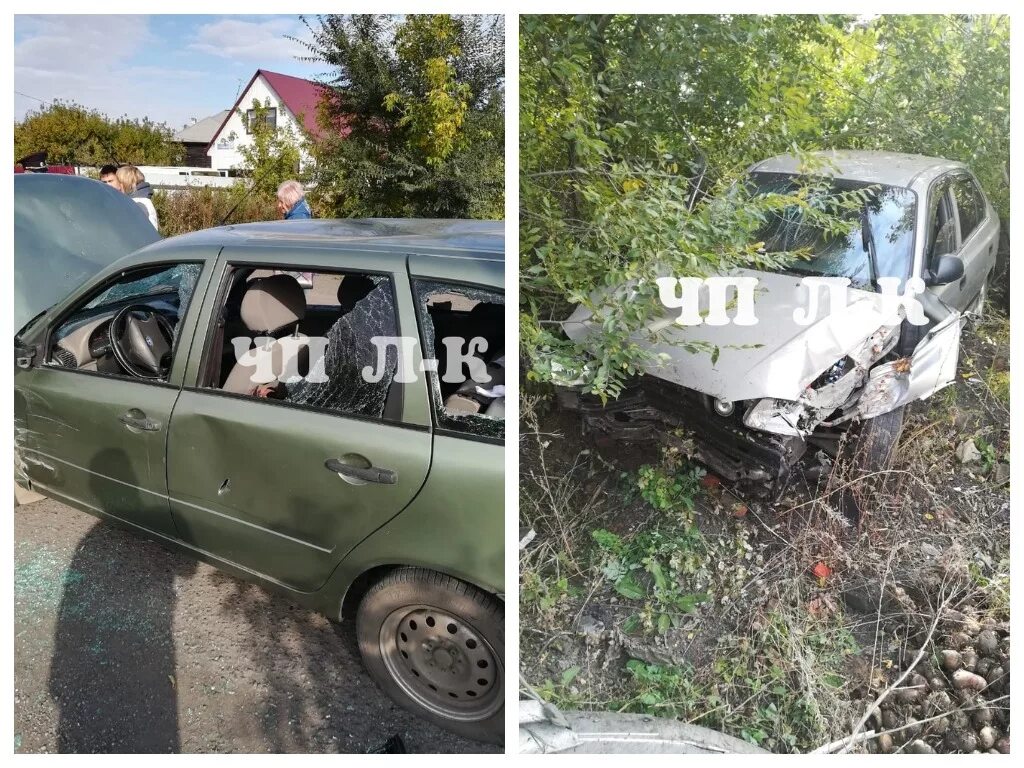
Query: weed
[(543, 595), (668, 492), (659, 566), (998, 383), (561, 693), (777, 687), (988, 453)]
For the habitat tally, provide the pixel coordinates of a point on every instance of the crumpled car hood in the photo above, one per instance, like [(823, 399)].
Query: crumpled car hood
[(67, 229), (775, 358)]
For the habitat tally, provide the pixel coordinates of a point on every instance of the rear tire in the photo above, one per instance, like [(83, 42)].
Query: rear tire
[(874, 450), (436, 645)]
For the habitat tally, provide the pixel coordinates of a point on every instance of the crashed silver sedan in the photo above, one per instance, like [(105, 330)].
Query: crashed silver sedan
[(784, 390)]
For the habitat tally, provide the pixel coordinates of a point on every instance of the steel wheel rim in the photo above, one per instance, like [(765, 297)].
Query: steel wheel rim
[(453, 674)]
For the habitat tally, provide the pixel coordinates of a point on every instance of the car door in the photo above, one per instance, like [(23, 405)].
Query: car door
[(977, 239), (90, 434), (287, 487), (943, 235)]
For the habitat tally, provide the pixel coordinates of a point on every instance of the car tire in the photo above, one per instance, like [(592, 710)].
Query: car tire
[(873, 450), (436, 645)]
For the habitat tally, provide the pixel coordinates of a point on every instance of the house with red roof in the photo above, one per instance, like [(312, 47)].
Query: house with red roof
[(292, 105)]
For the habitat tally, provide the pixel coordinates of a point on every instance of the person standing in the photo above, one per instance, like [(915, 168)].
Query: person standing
[(127, 178), (291, 201), (291, 204), (108, 175)]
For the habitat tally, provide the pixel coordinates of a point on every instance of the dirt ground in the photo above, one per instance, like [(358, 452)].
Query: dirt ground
[(124, 646), (801, 620)]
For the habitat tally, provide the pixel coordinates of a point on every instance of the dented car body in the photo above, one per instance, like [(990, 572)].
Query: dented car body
[(134, 402), (790, 382)]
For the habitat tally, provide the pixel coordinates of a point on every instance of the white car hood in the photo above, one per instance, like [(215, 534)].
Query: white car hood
[(775, 358)]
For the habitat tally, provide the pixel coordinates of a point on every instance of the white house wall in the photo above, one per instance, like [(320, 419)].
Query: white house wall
[(224, 150)]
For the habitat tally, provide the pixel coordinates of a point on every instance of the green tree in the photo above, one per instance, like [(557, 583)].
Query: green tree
[(273, 155), (413, 115), (73, 134), (634, 131)]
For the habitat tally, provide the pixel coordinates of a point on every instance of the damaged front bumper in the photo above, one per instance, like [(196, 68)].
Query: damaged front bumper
[(762, 441), (652, 409), (856, 388)]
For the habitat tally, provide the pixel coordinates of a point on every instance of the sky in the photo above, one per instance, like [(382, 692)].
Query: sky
[(168, 68)]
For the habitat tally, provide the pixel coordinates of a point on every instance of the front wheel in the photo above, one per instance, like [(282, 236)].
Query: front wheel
[(436, 645), (873, 453)]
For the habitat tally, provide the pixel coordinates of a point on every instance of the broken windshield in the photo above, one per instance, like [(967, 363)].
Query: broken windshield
[(889, 214)]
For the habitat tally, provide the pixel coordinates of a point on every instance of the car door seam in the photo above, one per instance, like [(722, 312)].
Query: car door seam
[(252, 525)]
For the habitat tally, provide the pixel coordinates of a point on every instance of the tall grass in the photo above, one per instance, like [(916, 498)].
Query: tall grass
[(202, 207)]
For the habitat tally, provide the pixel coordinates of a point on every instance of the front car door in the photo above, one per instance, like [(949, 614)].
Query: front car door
[(88, 432), (942, 235), (282, 475)]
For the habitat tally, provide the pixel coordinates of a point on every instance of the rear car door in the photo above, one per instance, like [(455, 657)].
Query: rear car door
[(978, 236), (90, 434), (287, 487)]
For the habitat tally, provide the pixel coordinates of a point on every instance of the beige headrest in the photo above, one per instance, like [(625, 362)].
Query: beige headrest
[(271, 303)]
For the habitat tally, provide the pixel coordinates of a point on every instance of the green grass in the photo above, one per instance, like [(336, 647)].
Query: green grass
[(779, 687)]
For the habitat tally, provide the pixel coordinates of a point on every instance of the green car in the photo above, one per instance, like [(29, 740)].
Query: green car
[(340, 440)]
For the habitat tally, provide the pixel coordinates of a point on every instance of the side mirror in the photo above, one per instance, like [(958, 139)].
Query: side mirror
[(946, 269)]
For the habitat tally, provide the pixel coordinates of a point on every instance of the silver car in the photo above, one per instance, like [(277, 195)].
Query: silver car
[(782, 393)]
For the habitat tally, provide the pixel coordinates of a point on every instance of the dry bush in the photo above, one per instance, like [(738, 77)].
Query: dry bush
[(203, 207)]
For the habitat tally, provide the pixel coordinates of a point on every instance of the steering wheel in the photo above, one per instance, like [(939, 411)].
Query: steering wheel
[(141, 340)]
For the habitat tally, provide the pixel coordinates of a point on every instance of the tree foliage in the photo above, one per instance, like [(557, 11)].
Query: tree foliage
[(272, 156), (635, 129), (72, 134), (414, 115)]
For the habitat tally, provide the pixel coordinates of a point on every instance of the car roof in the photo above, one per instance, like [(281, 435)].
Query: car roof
[(483, 240), (893, 168)]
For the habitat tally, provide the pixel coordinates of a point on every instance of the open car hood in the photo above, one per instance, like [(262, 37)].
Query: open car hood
[(776, 358), (67, 229)]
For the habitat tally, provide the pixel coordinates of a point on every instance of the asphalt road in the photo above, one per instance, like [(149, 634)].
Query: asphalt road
[(124, 646)]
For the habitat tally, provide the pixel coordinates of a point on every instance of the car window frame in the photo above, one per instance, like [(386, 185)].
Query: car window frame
[(228, 265), (945, 180), (982, 200), (179, 359), (435, 405)]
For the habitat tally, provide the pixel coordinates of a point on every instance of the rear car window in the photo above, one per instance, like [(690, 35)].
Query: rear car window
[(458, 319), (970, 205)]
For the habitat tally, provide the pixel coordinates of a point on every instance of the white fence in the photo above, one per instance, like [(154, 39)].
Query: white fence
[(169, 177)]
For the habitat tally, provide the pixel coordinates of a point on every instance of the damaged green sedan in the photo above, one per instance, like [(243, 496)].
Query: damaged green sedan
[(321, 438)]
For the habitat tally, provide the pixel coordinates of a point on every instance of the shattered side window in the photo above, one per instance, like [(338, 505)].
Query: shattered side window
[(83, 341), (464, 330), (335, 381), (310, 339)]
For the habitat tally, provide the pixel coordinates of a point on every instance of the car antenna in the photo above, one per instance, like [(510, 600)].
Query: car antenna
[(243, 198)]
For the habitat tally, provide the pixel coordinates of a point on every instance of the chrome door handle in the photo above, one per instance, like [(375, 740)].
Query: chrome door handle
[(136, 419), (366, 474)]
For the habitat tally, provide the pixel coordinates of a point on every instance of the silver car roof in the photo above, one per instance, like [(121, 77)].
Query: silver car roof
[(892, 168)]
